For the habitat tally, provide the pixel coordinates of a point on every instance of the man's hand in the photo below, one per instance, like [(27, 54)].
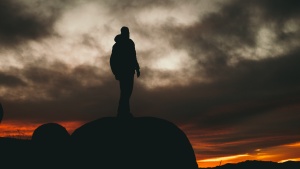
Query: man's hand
[(138, 73)]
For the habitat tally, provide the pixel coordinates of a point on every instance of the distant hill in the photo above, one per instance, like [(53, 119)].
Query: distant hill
[(253, 164)]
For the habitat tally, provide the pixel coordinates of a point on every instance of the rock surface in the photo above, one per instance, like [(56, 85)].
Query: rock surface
[(50, 133), (144, 142), (50, 147)]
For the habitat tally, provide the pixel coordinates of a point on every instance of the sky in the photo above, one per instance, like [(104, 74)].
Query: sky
[(226, 72)]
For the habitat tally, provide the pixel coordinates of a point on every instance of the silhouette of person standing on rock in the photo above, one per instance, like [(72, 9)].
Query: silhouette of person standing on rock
[(123, 63)]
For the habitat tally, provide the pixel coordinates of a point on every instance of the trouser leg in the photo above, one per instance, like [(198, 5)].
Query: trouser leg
[(126, 87)]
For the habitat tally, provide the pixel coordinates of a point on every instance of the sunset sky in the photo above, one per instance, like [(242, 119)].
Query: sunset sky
[(227, 72)]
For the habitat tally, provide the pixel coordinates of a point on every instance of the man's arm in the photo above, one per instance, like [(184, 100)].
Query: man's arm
[(136, 64), (113, 61)]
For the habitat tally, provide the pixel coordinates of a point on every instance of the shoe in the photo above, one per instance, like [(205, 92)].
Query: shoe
[(124, 115)]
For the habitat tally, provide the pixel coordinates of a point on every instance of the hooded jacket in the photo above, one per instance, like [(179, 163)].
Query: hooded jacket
[(123, 59)]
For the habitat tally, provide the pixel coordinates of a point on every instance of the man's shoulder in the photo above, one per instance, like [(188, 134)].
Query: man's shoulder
[(131, 41), (115, 45)]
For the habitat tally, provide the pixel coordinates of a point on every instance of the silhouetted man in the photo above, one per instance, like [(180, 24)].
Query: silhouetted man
[(123, 63)]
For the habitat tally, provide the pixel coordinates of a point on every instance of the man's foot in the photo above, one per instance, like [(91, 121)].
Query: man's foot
[(125, 115)]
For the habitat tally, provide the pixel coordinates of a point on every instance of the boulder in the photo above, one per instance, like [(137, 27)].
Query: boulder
[(50, 134), (144, 142), (50, 147)]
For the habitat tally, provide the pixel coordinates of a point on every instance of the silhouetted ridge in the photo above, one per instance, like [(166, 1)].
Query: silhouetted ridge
[(254, 164), (144, 142)]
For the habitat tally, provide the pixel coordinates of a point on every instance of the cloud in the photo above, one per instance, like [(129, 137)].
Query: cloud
[(16, 25), (10, 80), (120, 7), (279, 9), (235, 33), (56, 91)]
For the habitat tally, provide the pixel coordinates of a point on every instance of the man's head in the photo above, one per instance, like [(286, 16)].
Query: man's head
[(125, 31)]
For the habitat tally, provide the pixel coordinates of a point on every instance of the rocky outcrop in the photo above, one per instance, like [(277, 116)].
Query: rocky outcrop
[(144, 142), (49, 134), (50, 147)]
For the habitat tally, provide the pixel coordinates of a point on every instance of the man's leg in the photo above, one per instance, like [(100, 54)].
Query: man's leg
[(126, 87), (121, 99), (129, 88)]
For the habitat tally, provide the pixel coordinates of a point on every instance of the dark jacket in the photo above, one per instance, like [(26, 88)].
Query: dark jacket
[(123, 59)]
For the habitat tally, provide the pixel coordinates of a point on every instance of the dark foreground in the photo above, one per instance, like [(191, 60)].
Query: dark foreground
[(17, 153), (106, 143)]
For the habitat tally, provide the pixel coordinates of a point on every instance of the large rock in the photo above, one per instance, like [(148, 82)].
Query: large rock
[(144, 142), (50, 134), (50, 147)]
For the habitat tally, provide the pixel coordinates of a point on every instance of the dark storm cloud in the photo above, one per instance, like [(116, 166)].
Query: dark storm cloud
[(279, 10), (278, 13), (213, 40), (58, 79), (8, 80), (60, 93), (133, 5), (30, 20)]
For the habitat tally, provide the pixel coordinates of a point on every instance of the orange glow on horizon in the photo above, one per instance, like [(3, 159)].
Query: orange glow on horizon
[(14, 129), (227, 158), (280, 154), (213, 162)]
